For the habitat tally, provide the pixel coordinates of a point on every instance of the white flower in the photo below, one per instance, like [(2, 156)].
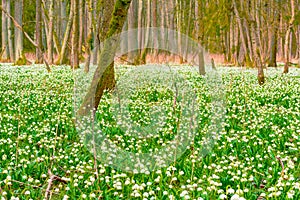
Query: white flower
[(27, 192), (183, 193), (92, 195), (222, 196), (235, 197), (290, 194), (44, 176), (83, 196), (65, 197), (230, 191)]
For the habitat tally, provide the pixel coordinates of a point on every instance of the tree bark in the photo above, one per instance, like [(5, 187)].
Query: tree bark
[(50, 33), (38, 31), (103, 75), (287, 39), (61, 57), (274, 41), (5, 47), (89, 40), (75, 36), (18, 32), (81, 26), (242, 31), (10, 32)]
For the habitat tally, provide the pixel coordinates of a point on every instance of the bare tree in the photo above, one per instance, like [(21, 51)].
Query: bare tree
[(287, 38), (38, 31), (5, 48), (18, 33), (75, 35), (50, 32)]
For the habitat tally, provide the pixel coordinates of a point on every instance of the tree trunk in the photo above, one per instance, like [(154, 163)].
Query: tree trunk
[(81, 26), (274, 41), (75, 36), (102, 77), (89, 40), (154, 24), (201, 62), (5, 47), (242, 32), (140, 32), (61, 57), (38, 31), (132, 38), (146, 42), (10, 32), (18, 32), (50, 33), (287, 39), (63, 21)]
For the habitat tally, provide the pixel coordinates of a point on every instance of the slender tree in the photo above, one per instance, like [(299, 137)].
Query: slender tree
[(287, 38), (18, 33), (38, 31), (5, 48)]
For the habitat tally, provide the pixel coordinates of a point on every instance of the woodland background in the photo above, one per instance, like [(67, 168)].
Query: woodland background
[(254, 33)]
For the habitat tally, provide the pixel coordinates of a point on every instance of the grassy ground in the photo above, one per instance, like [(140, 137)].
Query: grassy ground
[(255, 153)]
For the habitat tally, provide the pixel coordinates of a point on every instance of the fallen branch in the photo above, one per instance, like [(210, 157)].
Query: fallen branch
[(282, 166), (52, 178), (17, 25)]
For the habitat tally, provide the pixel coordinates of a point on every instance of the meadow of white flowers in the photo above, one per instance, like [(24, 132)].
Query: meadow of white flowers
[(256, 153)]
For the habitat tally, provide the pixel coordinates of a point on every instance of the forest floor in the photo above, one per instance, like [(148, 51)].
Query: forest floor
[(253, 151)]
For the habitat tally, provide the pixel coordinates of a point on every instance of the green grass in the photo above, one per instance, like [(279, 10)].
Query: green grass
[(260, 134)]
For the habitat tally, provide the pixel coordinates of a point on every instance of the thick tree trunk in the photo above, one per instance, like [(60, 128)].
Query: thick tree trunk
[(103, 75)]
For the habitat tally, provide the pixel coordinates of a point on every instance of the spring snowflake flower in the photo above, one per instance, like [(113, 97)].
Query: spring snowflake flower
[(92, 195), (184, 193), (65, 197), (235, 197), (230, 191), (223, 196)]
